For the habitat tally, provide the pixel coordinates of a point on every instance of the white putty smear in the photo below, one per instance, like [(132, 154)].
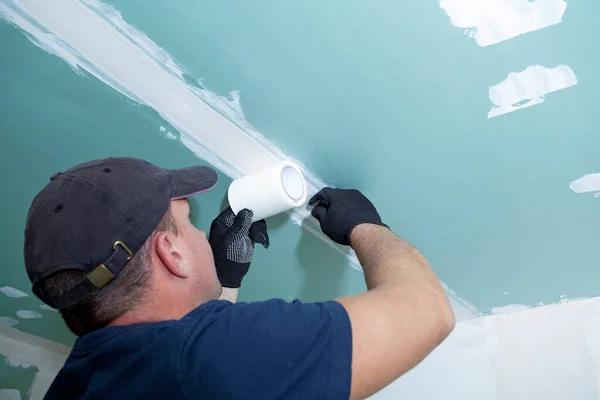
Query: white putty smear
[(171, 136), (28, 314), (587, 183), (508, 309), (131, 63), (8, 321), (13, 362), (12, 292), (528, 88), (10, 394), (494, 21)]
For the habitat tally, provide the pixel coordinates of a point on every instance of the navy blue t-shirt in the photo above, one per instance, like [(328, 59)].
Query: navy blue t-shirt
[(263, 350)]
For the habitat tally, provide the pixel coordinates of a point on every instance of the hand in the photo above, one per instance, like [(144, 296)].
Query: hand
[(339, 211), (232, 239)]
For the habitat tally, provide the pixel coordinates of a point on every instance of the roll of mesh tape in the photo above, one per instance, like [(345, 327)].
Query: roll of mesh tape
[(270, 191)]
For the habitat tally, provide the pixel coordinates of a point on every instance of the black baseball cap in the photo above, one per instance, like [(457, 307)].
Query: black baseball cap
[(96, 215)]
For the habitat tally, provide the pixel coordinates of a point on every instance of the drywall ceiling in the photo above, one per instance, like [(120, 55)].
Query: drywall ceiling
[(472, 130)]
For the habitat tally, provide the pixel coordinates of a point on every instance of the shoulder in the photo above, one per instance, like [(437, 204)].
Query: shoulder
[(220, 313), (271, 346)]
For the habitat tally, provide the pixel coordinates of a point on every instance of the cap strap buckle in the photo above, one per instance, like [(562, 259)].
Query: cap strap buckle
[(124, 246), (101, 275)]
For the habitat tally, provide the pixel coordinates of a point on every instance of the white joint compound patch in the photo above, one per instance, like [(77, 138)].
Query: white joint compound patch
[(493, 21), (13, 362), (587, 183), (12, 292), (171, 136), (8, 321), (10, 394), (92, 36), (528, 88), (28, 314)]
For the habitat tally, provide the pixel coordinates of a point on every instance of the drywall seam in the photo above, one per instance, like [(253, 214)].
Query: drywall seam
[(494, 21), (131, 63), (510, 308), (528, 88)]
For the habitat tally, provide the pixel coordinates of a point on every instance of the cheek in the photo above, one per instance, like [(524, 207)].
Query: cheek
[(201, 245), (207, 249)]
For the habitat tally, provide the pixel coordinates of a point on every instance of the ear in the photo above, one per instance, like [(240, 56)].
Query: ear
[(168, 250)]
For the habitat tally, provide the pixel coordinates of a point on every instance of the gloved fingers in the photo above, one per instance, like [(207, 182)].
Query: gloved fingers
[(225, 213), (258, 233), (221, 224), (321, 197), (225, 218), (319, 213), (241, 225)]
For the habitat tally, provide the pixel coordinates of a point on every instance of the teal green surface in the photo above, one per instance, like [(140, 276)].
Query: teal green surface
[(16, 377), (384, 96), (391, 98), (52, 118)]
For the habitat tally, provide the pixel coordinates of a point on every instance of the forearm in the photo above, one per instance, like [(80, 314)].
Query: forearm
[(391, 263), (229, 294)]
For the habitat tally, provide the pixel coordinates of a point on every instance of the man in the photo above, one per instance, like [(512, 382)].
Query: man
[(111, 245)]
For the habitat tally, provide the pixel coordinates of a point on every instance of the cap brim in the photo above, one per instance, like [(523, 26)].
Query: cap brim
[(191, 181)]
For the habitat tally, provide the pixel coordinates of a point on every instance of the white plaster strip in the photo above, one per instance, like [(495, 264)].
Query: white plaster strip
[(92, 36)]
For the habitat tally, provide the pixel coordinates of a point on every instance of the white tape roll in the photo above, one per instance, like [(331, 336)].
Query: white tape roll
[(270, 191)]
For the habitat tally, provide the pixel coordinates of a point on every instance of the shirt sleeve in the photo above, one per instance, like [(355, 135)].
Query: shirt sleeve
[(264, 350)]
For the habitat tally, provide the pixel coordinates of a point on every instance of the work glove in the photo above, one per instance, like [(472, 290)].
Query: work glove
[(232, 239), (339, 211)]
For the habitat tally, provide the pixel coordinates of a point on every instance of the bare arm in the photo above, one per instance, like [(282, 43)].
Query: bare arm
[(404, 315), (229, 294)]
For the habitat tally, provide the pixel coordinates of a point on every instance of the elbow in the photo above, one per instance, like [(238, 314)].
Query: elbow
[(446, 321)]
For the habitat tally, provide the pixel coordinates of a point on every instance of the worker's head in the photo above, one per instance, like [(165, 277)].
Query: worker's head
[(108, 237)]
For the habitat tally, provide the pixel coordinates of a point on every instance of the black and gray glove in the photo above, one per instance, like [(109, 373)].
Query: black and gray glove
[(232, 239), (341, 210)]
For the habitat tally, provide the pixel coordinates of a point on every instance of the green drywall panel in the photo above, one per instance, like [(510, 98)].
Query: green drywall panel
[(393, 99), (15, 376), (52, 118), (384, 96)]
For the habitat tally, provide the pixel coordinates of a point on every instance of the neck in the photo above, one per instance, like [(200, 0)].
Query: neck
[(154, 311)]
